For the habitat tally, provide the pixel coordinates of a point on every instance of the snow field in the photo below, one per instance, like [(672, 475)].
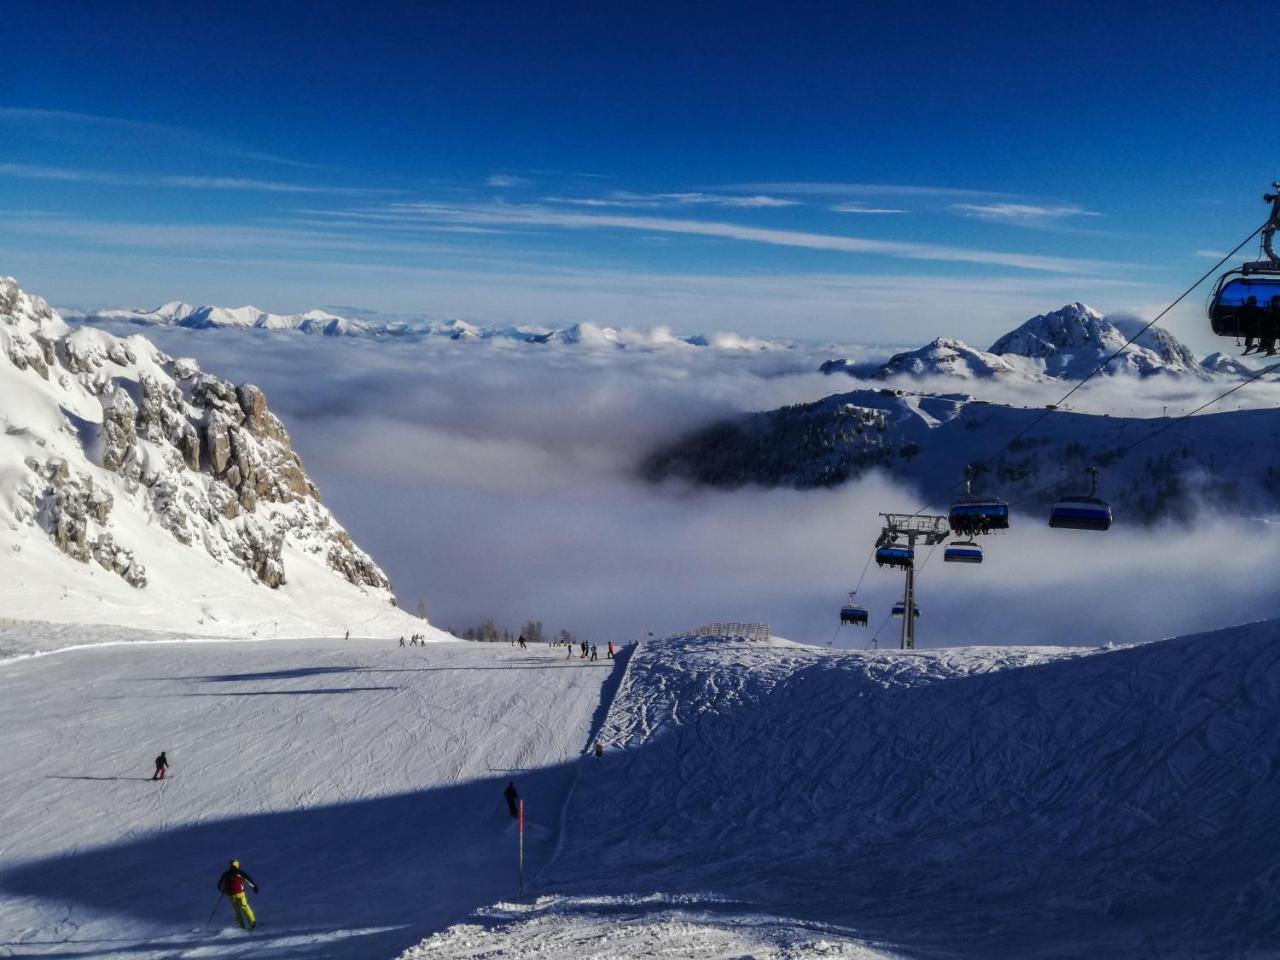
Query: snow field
[(983, 802), (359, 783)]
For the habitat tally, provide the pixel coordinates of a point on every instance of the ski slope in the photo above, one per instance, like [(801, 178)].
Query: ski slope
[(980, 803), (359, 783), (769, 800)]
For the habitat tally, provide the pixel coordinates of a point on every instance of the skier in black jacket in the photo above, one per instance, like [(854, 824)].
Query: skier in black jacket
[(512, 798), (162, 764)]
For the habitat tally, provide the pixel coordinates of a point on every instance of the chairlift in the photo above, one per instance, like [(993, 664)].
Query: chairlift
[(900, 607), (972, 515), (962, 551), (895, 555), (1246, 299), (854, 613), (1082, 513)]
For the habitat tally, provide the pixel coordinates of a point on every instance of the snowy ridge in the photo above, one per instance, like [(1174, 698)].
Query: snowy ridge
[(323, 323), (955, 358), (923, 438), (1067, 344), (135, 487)]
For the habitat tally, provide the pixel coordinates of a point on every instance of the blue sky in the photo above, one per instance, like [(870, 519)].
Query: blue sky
[(846, 171)]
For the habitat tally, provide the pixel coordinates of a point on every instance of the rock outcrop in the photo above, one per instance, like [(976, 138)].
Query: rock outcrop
[(92, 421)]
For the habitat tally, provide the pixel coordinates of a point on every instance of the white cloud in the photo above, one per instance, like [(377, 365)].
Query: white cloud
[(480, 457), (532, 215), (1210, 254), (505, 180), (835, 189), (67, 126), (1020, 213), (70, 175), (863, 208), (626, 198)]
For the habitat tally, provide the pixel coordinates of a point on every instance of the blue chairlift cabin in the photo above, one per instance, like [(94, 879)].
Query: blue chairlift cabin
[(895, 555), (1082, 513), (975, 515), (899, 607), (1246, 299), (962, 551), (854, 613)]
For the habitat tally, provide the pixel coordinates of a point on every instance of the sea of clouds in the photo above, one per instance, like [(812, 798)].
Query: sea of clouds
[(497, 480)]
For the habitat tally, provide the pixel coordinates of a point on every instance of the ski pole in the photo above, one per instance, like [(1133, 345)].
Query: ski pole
[(215, 910)]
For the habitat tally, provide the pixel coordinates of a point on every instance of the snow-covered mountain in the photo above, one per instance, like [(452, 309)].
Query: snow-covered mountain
[(927, 439), (137, 489), (1072, 341), (955, 358), (1066, 344), (322, 323)]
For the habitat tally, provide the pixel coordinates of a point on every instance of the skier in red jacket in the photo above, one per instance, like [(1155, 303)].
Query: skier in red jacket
[(232, 883)]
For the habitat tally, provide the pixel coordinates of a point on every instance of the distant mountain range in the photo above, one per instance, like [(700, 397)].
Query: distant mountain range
[(1066, 344), (322, 323)]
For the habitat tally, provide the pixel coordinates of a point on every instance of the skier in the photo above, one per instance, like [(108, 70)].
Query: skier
[(609, 654), (594, 655), (162, 764), (586, 649), (348, 636), (512, 798), (402, 641), (521, 642), (232, 884), (568, 650)]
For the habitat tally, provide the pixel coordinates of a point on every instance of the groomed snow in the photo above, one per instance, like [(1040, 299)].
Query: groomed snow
[(978, 803), (359, 783), (765, 800)]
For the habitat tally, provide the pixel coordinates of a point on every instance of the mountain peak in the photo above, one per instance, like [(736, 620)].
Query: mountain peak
[(1071, 341)]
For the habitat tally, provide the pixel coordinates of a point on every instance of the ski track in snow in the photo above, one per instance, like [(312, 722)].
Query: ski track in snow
[(360, 784)]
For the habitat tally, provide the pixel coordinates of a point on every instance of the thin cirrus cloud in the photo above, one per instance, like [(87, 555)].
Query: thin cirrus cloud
[(70, 175), (84, 129), (863, 208), (831, 189), (1021, 213), (505, 180), (626, 198), (541, 216)]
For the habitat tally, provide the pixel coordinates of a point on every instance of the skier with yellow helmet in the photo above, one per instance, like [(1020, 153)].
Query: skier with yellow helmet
[(232, 883)]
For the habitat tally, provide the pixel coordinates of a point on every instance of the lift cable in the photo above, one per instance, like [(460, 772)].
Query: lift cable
[(1152, 433)]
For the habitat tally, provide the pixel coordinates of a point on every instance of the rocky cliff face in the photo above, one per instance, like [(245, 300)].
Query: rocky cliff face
[(91, 421)]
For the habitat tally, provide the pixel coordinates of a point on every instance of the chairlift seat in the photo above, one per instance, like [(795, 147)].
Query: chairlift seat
[(962, 551), (894, 555), (899, 607), (858, 616), (979, 515), (1230, 314), (1081, 513)]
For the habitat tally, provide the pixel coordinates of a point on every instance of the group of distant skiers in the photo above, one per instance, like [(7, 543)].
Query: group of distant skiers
[(587, 651), (417, 640)]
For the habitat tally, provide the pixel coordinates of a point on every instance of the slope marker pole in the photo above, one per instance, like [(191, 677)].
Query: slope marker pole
[(520, 869)]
